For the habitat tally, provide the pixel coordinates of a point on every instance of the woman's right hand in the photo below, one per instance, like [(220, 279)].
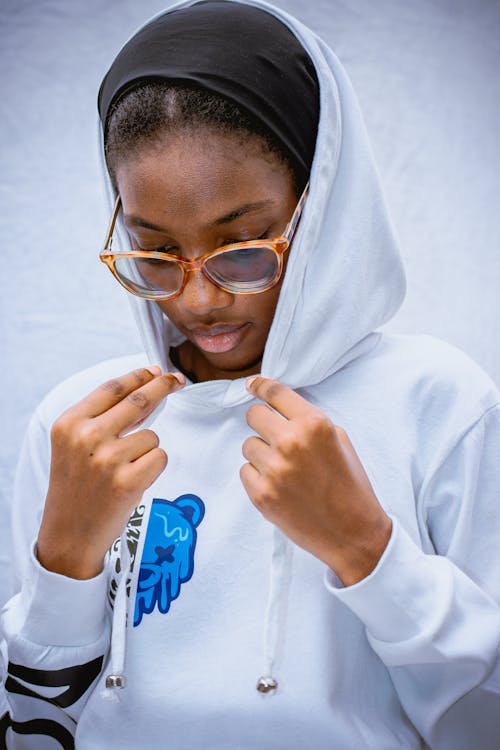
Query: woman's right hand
[(98, 472)]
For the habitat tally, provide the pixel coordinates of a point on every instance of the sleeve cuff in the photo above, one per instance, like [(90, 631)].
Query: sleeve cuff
[(400, 594), (62, 611)]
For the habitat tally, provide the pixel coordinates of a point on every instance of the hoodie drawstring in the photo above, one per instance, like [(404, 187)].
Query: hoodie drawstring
[(116, 676), (277, 606), (274, 623)]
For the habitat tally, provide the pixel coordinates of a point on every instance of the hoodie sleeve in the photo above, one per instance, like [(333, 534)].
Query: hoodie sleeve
[(434, 619), (55, 630)]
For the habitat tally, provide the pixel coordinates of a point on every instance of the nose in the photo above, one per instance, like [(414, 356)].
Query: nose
[(201, 297)]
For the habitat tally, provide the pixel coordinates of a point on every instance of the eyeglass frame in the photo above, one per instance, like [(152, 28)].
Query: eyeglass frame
[(278, 245)]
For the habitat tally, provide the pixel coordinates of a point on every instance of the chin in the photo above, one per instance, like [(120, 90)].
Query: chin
[(234, 361)]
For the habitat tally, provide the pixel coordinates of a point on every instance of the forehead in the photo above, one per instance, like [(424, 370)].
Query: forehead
[(198, 175)]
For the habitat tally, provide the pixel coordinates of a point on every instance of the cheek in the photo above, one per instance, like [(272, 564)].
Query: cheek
[(259, 308), (268, 305), (173, 311)]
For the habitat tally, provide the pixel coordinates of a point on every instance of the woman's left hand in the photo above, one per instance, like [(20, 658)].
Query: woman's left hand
[(304, 476)]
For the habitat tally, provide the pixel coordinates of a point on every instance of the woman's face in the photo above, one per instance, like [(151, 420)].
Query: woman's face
[(191, 194)]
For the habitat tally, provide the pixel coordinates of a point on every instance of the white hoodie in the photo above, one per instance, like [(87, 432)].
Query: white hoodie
[(208, 596)]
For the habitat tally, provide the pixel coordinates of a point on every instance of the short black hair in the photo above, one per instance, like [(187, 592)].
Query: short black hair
[(154, 108)]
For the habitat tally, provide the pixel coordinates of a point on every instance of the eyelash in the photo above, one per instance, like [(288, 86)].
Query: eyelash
[(170, 250), (233, 242)]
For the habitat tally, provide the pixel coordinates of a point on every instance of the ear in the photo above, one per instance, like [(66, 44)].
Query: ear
[(192, 508)]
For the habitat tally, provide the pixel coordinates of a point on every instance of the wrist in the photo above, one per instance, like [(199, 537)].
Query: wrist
[(360, 558), (69, 561)]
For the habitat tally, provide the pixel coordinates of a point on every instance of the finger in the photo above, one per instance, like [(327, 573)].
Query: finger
[(250, 479), (139, 404), (266, 422), (142, 419), (112, 392), (145, 470), (280, 396), (132, 447), (258, 453)]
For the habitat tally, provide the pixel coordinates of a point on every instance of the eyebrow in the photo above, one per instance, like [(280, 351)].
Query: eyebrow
[(226, 219), (241, 211)]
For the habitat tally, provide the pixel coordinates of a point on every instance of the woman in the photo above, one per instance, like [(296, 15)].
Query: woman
[(325, 533)]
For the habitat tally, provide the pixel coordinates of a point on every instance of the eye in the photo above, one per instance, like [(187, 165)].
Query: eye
[(171, 250), (241, 252), (234, 242), (152, 262)]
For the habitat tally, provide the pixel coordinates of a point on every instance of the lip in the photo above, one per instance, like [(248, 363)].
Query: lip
[(221, 338)]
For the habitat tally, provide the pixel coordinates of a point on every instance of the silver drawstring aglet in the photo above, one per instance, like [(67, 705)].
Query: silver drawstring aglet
[(115, 681), (267, 685)]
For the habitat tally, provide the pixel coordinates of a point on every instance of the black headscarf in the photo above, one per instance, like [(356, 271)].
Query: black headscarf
[(239, 51)]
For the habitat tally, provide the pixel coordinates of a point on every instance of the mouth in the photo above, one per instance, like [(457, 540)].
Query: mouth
[(220, 338)]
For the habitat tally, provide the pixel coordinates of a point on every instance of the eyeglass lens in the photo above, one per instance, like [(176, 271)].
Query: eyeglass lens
[(243, 269)]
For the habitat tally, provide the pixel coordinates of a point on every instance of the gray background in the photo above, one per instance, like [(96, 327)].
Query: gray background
[(427, 75)]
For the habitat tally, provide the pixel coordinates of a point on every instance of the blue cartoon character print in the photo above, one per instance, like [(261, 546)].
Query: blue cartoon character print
[(168, 554)]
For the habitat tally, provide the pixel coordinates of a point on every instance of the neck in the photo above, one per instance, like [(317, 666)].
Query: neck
[(193, 362)]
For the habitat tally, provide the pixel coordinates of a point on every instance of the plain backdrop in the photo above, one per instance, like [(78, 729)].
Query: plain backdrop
[(427, 74)]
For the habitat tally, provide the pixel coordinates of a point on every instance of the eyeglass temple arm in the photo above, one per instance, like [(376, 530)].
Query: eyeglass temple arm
[(292, 224), (111, 229)]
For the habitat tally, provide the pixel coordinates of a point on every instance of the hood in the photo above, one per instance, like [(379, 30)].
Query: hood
[(344, 277)]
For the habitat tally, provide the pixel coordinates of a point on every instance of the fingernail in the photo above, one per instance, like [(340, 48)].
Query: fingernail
[(249, 381), (154, 370), (179, 377)]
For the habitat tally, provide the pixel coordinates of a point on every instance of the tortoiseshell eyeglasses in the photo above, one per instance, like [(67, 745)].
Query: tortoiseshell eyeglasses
[(247, 267)]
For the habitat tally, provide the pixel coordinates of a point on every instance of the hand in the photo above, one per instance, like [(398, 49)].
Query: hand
[(304, 476), (98, 472)]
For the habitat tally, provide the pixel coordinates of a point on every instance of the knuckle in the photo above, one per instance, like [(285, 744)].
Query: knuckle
[(113, 386), (162, 456), (272, 389), (160, 462), (320, 425), (263, 497), (170, 380), (86, 433), (289, 443), (105, 458), (74, 434), (251, 413), (276, 469), (121, 484), (139, 399), (254, 411), (142, 375), (247, 446), (60, 428), (153, 437)]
